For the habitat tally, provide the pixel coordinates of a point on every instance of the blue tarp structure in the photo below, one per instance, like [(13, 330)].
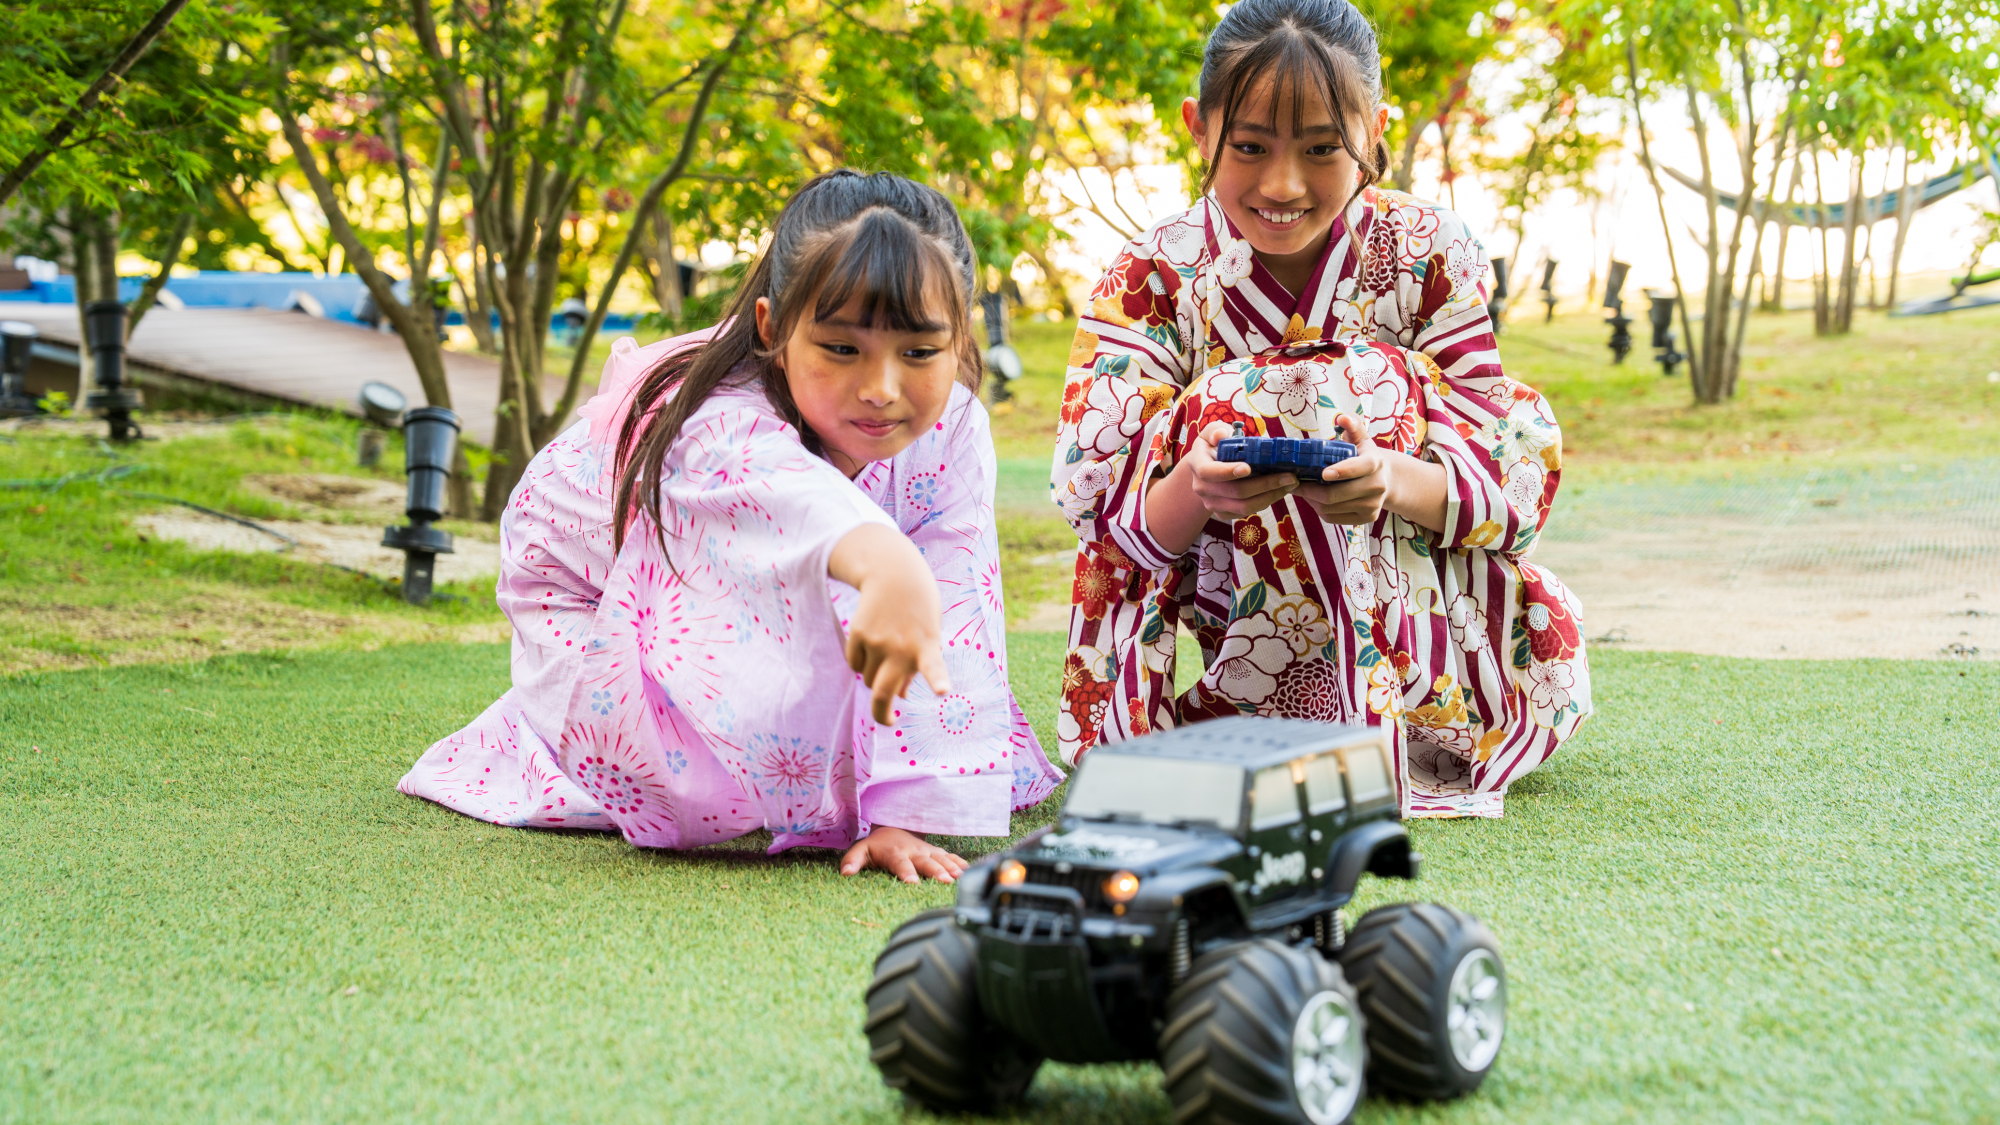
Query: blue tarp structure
[(1884, 206), (337, 294)]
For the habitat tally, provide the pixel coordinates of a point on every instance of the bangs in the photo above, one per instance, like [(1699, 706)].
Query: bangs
[(1301, 71), (902, 280)]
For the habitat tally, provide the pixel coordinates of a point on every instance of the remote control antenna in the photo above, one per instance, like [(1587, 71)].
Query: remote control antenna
[(1238, 429)]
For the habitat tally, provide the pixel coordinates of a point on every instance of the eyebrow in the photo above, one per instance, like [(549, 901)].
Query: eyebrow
[(1327, 130)]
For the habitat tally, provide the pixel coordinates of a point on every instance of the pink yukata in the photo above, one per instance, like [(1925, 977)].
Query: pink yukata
[(688, 696)]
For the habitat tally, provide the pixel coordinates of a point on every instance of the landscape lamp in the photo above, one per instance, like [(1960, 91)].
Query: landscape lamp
[(1662, 314), (1549, 290), (1496, 305), (430, 434), (1621, 325), (1002, 361), (383, 405), (17, 346), (104, 331)]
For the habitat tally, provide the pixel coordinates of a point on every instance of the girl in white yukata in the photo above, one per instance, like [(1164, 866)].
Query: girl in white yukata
[(758, 585)]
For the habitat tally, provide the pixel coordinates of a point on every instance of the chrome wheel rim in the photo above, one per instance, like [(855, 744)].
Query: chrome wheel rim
[(1327, 1058), (1477, 1016)]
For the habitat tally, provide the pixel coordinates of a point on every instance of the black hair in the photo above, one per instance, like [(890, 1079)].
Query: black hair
[(893, 243), (1304, 47)]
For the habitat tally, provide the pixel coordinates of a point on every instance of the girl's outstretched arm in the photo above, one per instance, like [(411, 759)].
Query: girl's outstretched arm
[(894, 632), (892, 637)]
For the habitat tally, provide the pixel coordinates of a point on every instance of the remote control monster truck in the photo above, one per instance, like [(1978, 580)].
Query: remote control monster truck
[(1185, 908)]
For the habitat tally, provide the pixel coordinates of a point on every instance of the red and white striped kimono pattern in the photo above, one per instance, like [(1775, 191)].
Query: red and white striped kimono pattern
[(1473, 654)]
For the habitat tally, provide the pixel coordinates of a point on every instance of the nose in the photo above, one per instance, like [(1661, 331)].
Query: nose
[(881, 382), (1284, 179)]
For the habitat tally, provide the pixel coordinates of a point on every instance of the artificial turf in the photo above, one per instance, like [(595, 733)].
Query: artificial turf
[(1748, 891)]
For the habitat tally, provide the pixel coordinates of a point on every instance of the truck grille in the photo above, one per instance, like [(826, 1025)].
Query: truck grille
[(1083, 880)]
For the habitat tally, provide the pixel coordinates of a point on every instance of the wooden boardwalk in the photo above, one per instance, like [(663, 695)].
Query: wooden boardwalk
[(283, 357)]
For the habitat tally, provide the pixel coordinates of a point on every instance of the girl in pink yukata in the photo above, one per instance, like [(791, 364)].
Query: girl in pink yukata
[(1296, 299), (758, 584)]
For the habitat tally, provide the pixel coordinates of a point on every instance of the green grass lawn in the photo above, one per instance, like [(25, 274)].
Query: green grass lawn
[(79, 584), (1752, 891)]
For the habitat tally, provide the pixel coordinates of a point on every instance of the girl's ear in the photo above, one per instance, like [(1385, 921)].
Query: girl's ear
[(1381, 126), (1191, 117), (764, 320)]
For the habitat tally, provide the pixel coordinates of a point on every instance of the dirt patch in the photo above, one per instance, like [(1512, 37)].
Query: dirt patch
[(204, 622), (1898, 562), (327, 490), (355, 546)]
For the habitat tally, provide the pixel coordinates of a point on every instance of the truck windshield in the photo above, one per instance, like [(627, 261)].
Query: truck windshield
[(1156, 790)]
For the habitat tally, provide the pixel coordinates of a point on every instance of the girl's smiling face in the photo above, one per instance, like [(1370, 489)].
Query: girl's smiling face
[(866, 392), (1282, 176)]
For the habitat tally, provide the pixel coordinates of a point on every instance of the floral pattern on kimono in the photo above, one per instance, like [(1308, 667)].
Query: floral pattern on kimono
[(689, 693), (1470, 653)]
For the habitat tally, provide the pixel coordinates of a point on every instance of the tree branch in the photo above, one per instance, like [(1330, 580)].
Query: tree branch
[(169, 255), (88, 101), (645, 205)]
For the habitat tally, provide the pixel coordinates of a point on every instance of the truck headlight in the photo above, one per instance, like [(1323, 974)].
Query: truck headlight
[(1121, 887), (1012, 873)]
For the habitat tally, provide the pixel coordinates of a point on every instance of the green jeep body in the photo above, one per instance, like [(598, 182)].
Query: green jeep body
[(1234, 828)]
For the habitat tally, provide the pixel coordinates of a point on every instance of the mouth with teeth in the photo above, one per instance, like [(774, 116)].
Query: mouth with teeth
[(1279, 218)]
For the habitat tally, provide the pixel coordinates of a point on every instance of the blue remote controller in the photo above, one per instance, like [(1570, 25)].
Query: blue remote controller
[(1304, 458)]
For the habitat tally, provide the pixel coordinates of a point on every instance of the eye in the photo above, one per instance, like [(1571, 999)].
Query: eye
[(1248, 148), (922, 353), (842, 349), (1324, 151)]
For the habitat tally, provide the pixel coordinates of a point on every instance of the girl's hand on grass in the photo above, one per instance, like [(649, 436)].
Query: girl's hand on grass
[(895, 631), (905, 855)]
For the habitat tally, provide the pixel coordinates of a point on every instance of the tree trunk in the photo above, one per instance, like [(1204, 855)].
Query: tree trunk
[(1843, 315), (1054, 280), (83, 249), (1406, 165), (659, 250), (1707, 385), (1660, 198), (1775, 300), (1822, 263), (478, 302), (1906, 209)]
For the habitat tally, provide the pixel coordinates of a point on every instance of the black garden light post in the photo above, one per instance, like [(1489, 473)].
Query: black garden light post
[(17, 346), (429, 435), (104, 325), (1549, 291), (1621, 325), (1496, 305), (1662, 316), (1002, 361)]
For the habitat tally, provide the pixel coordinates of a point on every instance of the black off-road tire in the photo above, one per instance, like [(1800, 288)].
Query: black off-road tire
[(925, 1030), (1227, 1050), (1402, 960)]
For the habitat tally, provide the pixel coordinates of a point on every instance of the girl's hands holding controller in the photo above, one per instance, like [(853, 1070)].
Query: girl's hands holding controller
[(1225, 489), (1356, 490)]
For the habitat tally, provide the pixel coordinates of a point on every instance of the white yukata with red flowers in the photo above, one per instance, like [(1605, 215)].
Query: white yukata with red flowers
[(690, 695)]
